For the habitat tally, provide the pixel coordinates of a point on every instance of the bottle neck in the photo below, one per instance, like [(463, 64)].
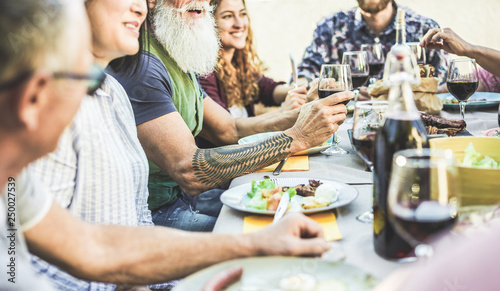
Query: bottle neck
[(401, 100), (400, 33)]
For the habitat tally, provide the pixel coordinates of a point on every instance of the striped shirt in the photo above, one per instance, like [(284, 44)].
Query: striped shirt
[(99, 171)]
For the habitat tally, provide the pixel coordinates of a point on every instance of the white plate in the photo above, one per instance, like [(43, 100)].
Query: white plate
[(266, 273), (477, 100), (237, 197), (264, 135)]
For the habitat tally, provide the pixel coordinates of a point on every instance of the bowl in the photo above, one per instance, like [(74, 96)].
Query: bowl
[(479, 186)]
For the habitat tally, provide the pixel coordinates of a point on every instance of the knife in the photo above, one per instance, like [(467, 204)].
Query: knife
[(294, 70), (282, 206), (277, 171)]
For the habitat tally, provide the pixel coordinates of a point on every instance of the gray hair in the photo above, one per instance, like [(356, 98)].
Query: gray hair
[(31, 35)]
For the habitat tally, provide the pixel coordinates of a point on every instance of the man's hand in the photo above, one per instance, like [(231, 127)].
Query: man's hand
[(295, 98), (294, 235), (446, 39), (318, 120), (312, 94), (363, 94)]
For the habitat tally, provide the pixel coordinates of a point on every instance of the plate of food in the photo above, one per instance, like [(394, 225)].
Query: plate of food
[(306, 195), (314, 150), (279, 273), (478, 100), (492, 132)]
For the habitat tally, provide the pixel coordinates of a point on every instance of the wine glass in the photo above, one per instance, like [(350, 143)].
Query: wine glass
[(376, 59), (423, 196), (358, 62), (462, 80), (367, 119), (418, 51), (334, 79)]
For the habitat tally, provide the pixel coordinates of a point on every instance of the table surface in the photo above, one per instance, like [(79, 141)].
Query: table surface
[(357, 241)]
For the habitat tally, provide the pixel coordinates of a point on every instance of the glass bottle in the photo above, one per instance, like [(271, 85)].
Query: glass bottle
[(401, 129)]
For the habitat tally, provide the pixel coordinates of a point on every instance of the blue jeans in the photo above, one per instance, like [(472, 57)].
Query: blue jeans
[(191, 213)]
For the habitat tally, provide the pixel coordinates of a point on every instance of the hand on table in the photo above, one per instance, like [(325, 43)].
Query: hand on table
[(295, 98), (294, 235), (445, 39)]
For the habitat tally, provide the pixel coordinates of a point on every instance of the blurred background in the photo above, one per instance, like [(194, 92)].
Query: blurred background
[(282, 26)]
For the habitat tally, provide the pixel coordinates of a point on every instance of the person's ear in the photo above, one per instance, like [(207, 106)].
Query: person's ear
[(151, 4), (32, 100)]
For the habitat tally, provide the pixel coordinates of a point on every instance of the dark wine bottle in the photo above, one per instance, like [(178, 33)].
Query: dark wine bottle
[(402, 129)]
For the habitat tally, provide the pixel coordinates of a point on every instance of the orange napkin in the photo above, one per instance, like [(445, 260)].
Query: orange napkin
[(326, 219), (294, 163)]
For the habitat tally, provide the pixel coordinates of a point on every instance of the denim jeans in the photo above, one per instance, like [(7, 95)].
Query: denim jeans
[(191, 213)]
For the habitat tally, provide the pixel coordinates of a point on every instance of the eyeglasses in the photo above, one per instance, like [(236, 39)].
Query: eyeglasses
[(94, 78)]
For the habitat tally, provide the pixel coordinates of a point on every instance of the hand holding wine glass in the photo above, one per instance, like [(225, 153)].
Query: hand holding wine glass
[(423, 196), (334, 79), (462, 80)]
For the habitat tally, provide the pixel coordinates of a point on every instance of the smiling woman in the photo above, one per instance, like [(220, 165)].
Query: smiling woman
[(238, 81), (99, 170)]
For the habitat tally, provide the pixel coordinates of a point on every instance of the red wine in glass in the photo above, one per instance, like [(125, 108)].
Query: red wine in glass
[(323, 93), (420, 223), (364, 145), (375, 68), (461, 90), (359, 79)]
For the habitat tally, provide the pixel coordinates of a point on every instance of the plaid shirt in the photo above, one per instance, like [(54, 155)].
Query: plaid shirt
[(346, 31)]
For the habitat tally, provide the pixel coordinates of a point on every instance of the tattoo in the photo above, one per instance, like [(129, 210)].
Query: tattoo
[(215, 166)]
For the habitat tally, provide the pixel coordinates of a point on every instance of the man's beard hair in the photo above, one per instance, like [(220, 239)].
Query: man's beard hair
[(373, 8), (194, 46)]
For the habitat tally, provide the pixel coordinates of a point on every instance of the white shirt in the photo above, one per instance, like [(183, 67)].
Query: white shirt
[(23, 204), (99, 170)]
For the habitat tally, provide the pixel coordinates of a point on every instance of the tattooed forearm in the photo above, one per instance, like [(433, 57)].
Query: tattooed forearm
[(215, 166)]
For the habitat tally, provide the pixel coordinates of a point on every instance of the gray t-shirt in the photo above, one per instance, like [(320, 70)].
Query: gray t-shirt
[(23, 204)]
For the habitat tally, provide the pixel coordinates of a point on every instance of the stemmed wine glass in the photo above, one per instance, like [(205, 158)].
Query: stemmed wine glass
[(418, 51), (376, 59), (462, 80), (334, 79), (358, 62), (368, 116), (423, 196)]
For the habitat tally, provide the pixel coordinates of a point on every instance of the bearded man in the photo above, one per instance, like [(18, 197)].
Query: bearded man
[(374, 21), (171, 110)]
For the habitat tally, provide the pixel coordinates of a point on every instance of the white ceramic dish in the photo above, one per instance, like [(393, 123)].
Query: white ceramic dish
[(237, 197)]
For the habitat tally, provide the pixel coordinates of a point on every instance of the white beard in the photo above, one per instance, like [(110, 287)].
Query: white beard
[(194, 46)]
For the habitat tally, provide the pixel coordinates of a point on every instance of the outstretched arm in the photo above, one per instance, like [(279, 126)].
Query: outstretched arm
[(169, 144), (451, 42), (148, 255)]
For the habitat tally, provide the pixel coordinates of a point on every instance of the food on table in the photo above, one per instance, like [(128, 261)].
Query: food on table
[(265, 195), (223, 279), (298, 282), (426, 71), (492, 132), (307, 190), (324, 196), (435, 124), (475, 159)]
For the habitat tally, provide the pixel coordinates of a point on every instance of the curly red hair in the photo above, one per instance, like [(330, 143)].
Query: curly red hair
[(240, 78)]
